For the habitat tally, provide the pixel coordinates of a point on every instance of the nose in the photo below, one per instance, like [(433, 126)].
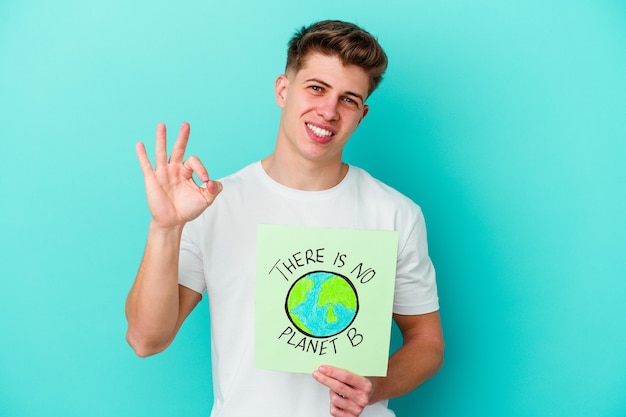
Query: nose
[(328, 108)]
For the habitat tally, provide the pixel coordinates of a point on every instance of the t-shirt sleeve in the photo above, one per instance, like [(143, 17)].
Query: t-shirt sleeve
[(416, 287), (190, 263)]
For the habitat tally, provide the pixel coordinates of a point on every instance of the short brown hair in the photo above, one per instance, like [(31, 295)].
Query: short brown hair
[(348, 42)]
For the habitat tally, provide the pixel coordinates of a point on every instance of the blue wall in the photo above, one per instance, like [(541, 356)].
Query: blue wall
[(505, 120)]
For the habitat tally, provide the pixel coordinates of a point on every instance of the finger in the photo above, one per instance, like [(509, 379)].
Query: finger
[(194, 165), (346, 384), (178, 151), (161, 146), (333, 384), (144, 161), (346, 377), (214, 187), (341, 406)]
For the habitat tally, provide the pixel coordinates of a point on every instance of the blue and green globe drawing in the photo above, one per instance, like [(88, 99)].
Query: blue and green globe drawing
[(322, 304)]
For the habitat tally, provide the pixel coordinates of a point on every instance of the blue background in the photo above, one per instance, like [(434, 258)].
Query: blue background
[(505, 120)]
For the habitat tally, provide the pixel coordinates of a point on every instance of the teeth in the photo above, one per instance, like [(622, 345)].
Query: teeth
[(319, 131)]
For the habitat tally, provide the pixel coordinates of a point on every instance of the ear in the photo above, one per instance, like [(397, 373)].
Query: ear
[(280, 90), (366, 110)]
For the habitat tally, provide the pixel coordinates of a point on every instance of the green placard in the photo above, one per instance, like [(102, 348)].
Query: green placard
[(324, 296)]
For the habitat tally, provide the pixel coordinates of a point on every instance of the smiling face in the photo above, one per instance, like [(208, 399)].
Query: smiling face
[(322, 105)]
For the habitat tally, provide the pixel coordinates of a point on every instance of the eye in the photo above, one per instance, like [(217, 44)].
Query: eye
[(351, 102), (316, 88)]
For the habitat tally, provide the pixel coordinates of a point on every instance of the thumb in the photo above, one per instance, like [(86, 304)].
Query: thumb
[(213, 188)]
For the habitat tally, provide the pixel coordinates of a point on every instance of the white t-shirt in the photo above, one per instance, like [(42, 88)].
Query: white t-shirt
[(218, 255)]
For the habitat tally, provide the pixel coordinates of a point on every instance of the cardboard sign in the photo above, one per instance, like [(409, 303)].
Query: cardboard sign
[(324, 296)]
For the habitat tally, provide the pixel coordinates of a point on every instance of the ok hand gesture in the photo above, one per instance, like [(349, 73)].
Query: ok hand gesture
[(173, 196)]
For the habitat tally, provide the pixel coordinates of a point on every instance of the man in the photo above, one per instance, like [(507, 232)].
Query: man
[(203, 238)]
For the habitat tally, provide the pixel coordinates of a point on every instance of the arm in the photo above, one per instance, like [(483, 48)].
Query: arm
[(419, 358), (156, 305)]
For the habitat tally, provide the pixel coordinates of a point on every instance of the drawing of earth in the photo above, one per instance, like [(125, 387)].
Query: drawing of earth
[(322, 304)]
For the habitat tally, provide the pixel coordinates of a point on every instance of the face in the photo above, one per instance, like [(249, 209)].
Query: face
[(322, 105)]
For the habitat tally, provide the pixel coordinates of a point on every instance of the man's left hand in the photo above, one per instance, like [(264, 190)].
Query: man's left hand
[(349, 393)]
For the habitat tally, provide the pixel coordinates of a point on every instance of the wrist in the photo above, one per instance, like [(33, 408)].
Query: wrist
[(375, 392), (165, 231)]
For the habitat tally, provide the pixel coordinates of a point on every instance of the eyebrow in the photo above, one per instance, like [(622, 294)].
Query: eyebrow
[(325, 84)]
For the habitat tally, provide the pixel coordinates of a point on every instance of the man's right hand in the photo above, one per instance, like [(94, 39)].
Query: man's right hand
[(173, 196)]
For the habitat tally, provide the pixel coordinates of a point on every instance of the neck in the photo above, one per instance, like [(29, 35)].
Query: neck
[(307, 176)]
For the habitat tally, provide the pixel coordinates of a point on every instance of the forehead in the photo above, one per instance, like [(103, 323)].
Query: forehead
[(332, 71)]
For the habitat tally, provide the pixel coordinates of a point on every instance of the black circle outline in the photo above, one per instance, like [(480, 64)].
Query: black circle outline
[(356, 294)]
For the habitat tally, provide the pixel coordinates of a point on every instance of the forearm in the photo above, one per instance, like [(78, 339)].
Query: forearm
[(152, 306), (418, 359)]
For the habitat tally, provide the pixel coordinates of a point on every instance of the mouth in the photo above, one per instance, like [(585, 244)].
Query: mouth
[(320, 134)]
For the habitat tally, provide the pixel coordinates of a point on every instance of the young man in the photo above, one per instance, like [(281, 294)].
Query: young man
[(203, 238)]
